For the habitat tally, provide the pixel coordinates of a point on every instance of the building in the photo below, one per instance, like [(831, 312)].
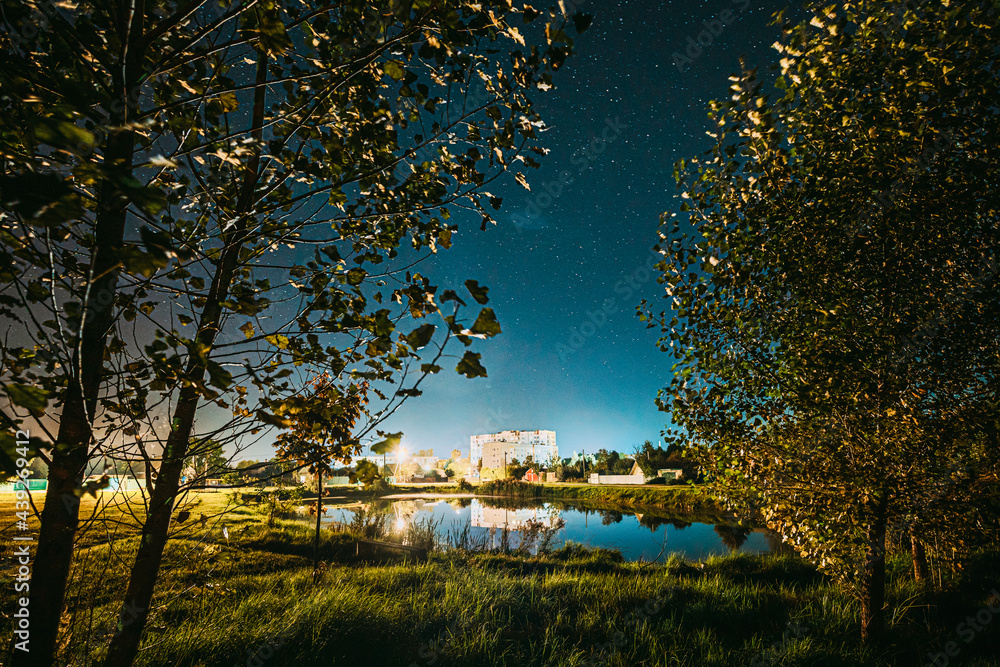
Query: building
[(635, 476), (539, 445)]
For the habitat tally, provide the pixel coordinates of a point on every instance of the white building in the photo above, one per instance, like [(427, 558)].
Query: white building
[(539, 445)]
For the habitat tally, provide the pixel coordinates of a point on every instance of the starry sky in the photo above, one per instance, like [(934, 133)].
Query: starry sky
[(568, 262)]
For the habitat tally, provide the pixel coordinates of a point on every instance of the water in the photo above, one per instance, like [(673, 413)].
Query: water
[(638, 535)]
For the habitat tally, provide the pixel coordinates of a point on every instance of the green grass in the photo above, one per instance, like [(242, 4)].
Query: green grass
[(250, 600)]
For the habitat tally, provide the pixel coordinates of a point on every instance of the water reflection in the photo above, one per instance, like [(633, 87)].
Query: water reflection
[(490, 516), (645, 535)]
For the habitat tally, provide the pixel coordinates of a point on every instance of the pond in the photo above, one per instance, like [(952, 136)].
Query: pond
[(647, 535)]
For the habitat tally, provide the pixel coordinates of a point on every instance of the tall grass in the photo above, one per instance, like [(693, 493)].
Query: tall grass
[(574, 606), (250, 600)]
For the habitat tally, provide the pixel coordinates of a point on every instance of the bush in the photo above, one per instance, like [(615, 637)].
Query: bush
[(657, 480)]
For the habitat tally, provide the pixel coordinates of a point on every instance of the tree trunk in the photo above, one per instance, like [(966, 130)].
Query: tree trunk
[(873, 584), (319, 514), (919, 559), (142, 580), (134, 613), (51, 564)]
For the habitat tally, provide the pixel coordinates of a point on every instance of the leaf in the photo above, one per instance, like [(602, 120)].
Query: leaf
[(449, 295), (486, 323), (395, 69), (582, 21), (391, 441), (247, 329), (149, 199), (477, 291), (356, 276), (31, 398), (278, 340), (420, 336), (218, 375), (273, 420), (64, 134), (470, 367), (520, 178)]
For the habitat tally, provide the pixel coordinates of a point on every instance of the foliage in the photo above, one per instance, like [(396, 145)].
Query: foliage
[(832, 303), (279, 505), (652, 459), (611, 463), (206, 459), (366, 473), (323, 422), (206, 203)]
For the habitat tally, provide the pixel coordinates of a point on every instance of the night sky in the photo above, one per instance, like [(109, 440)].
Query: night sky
[(586, 250), (563, 259)]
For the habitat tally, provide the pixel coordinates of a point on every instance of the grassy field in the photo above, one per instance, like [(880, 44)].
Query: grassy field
[(248, 599)]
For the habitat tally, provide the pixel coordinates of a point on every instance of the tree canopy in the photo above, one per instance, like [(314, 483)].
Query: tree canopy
[(832, 292), (205, 203)]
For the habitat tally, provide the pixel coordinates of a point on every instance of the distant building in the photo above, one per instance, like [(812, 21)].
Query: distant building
[(532, 476), (635, 476), (497, 454), (539, 445)]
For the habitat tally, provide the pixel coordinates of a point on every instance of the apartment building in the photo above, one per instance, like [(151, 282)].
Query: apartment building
[(539, 445)]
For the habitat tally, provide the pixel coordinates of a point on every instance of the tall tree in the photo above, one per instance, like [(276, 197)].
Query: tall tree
[(831, 299), (202, 199)]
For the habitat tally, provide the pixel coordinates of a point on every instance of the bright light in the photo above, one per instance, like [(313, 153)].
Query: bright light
[(403, 454), (400, 523)]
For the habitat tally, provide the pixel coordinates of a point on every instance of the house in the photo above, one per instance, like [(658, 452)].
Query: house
[(635, 476), (532, 476), (670, 473)]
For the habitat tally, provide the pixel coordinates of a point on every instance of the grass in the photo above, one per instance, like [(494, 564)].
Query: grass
[(249, 600)]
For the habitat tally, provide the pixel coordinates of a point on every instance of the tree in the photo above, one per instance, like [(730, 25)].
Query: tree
[(201, 200), (831, 300), (322, 432), (207, 459), (366, 472)]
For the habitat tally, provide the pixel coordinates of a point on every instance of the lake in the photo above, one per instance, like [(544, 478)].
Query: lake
[(650, 535)]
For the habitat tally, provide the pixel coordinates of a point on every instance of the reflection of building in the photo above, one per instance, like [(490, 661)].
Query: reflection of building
[(539, 445), (483, 516)]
